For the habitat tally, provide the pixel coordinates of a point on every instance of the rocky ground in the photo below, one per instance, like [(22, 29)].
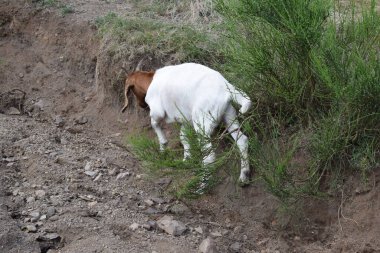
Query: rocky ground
[(68, 183)]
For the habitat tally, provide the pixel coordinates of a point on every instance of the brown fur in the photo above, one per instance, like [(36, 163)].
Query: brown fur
[(138, 82)]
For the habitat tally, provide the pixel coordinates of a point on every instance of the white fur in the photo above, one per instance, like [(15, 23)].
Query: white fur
[(195, 93)]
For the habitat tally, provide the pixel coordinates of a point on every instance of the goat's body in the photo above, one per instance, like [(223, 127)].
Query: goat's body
[(182, 92), (197, 94)]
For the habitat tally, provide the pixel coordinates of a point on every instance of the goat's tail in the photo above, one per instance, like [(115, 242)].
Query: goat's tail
[(240, 98)]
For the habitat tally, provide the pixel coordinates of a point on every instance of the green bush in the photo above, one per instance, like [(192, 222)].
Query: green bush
[(312, 69)]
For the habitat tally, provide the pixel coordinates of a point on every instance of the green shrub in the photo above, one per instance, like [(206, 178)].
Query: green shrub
[(309, 72)]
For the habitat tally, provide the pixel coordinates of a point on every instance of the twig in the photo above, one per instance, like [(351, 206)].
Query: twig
[(340, 213)]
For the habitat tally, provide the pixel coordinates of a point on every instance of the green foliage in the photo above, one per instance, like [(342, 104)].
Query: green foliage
[(192, 178), (307, 71), (66, 9), (47, 2)]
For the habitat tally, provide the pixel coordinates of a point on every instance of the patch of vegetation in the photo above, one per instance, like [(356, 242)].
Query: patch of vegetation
[(134, 36), (192, 178), (310, 67), (47, 3), (66, 9)]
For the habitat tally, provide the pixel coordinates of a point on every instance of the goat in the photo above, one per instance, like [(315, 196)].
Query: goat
[(193, 93)]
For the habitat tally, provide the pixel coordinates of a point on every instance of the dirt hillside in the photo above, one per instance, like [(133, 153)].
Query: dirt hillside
[(69, 184)]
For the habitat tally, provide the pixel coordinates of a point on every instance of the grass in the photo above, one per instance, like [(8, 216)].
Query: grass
[(66, 9), (157, 39), (192, 178)]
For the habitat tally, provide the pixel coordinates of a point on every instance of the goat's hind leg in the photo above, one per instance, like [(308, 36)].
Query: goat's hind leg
[(160, 134), (185, 143), (241, 141)]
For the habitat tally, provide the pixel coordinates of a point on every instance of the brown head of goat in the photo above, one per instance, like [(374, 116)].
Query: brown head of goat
[(138, 82)]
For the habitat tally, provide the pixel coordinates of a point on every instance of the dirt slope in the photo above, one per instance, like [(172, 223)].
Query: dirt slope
[(63, 157)]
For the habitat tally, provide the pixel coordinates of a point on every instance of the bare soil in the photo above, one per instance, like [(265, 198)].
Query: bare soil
[(70, 122)]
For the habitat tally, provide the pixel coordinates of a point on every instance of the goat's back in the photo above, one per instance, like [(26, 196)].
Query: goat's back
[(182, 92)]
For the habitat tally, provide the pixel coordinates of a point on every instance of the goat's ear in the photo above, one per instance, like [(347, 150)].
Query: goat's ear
[(126, 102)]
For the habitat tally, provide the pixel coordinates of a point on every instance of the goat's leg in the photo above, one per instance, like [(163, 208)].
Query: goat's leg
[(160, 134), (185, 143), (205, 127), (241, 141)]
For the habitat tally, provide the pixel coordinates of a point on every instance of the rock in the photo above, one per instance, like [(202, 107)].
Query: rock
[(90, 173), (87, 166), (35, 214), (81, 120), (199, 230), (164, 182), (150, 225), (40, 194), (43, 217), (59, 121), (21, 75), (92, 204), (179, 209), (98, 177), (122, 175), (50, 212), (134, 226), (235, 247), (216, 234), (171, 226), (49, 241), (149, 202), (207, 246), (31, 228), (38, 106), (13, 111), (49, 236), (151, 210), (159, 200)]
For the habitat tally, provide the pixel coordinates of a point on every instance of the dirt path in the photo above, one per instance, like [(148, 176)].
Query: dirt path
[(68, 184)]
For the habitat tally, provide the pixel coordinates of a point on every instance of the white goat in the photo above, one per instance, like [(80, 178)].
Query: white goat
[(193, 93)]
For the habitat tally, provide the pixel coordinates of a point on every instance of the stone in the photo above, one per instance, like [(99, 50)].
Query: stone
[(235, 247), (90, 173), (38, 106), (40, 194), (207, 246), (35, 214), (59, 121), (134, 226), (151, 210), (98, 177), (49, 236), (179, 208), (216, 234), (13, 111), (149, 225), (81, 120), (31, 228), (122, 175), (30, 199), (50, 212), (159, 200), (43, 217), (87, 166), (171, 226), (199, 230), (163, 182), (149, 202)]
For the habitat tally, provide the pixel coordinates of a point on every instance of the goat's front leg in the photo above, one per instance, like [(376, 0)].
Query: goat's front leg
[(185, 143), (160, 134)]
